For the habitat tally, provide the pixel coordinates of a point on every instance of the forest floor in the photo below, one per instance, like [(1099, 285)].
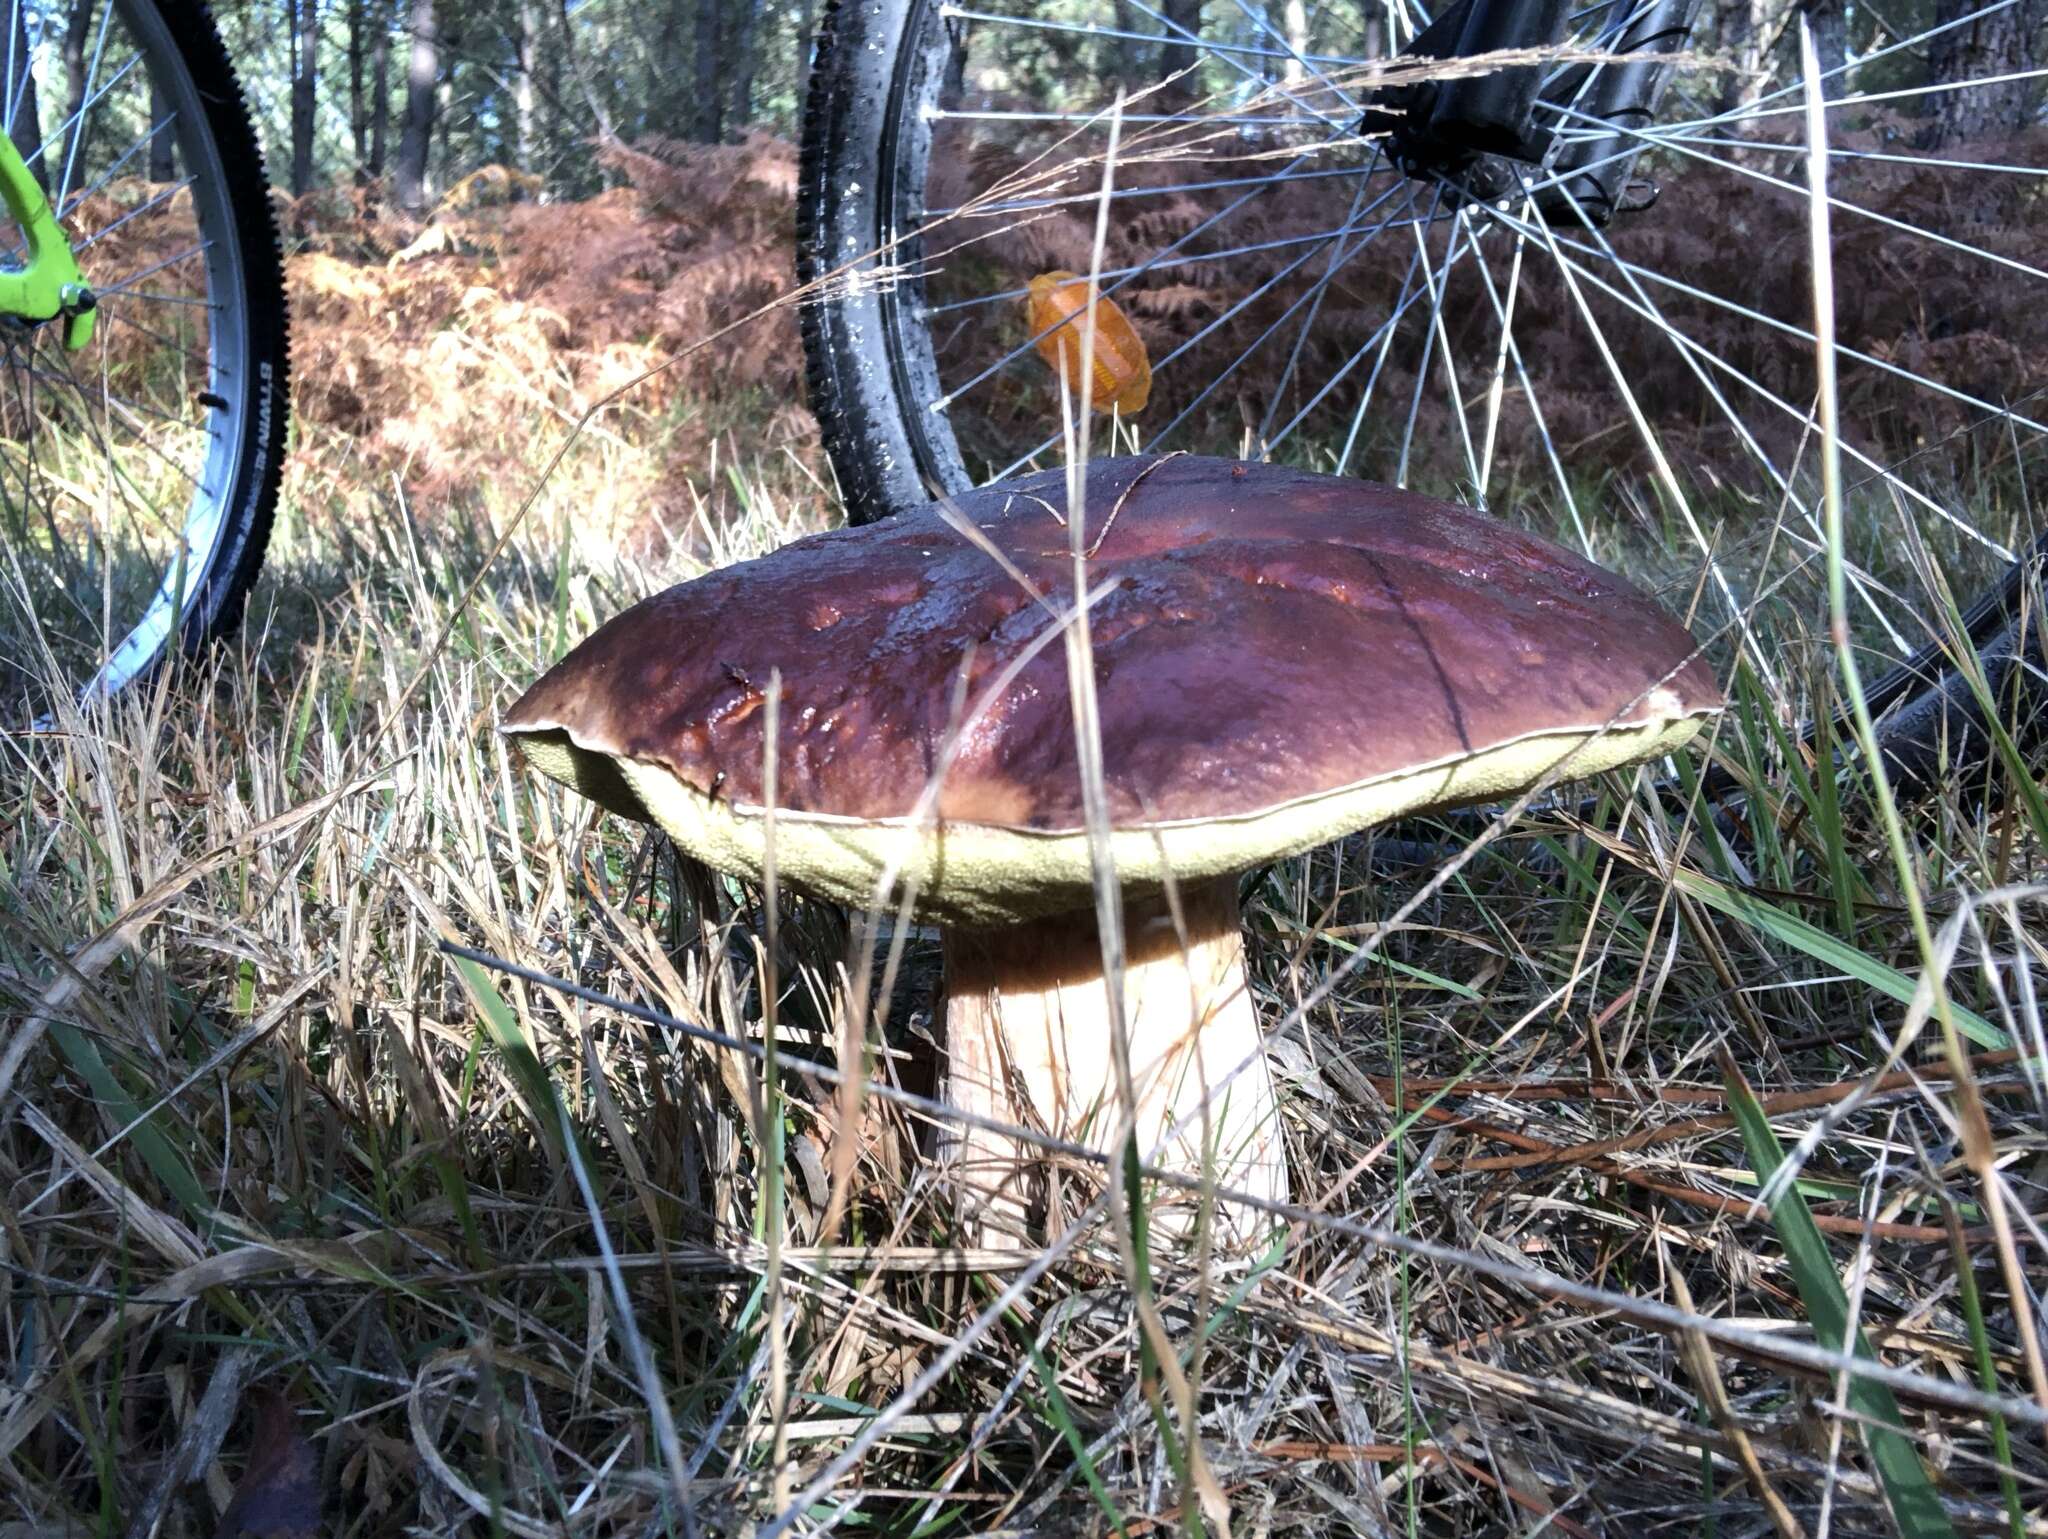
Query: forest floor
[(290, 1196)]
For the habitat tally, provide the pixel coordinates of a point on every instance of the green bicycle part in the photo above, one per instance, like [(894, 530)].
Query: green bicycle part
[(50, 285)]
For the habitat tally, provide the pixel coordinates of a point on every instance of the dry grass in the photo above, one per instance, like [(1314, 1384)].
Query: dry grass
[(255, 1127)]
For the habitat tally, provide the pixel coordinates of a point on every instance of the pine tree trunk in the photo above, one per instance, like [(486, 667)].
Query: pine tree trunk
[(1829, 22), (77, 50), (163, 161), (743, 56), (1743, 33), (442, 156), (953, 90), (522, 85), (380, 87), (1294, 19), (549, 62), (1999, 42), (1180, 14), (566, 35), (709, 127), (358, 117), (422, 79), (304, 17), (806, 31), (1130, 59), (25, 119)]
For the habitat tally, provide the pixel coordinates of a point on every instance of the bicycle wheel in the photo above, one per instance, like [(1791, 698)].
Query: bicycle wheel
[(138, 471), (1606, 332)]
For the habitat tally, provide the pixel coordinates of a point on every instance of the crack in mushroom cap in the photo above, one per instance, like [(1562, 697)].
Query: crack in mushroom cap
[(1282, 658)]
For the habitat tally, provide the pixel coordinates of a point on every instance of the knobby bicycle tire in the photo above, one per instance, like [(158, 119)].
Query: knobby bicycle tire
[(259, 476), (857, 382)]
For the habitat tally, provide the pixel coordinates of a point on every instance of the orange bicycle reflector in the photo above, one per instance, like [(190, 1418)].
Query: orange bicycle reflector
[(1123, 374)]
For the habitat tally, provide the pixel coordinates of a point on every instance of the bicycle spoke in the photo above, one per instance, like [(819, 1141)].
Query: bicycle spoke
[(137, 409), (1340, 257), (95, 424), (157, 202), (1512, 352), (1778, 477), (1497, 383), (1260, 20), (1095, 120), (192, 355), (22, 388), (1685, 147), (1605, 36), (1386, 345), (126, 286), (1805, 335), (1124, 274), (108, 176), (75, 579), (1308, 320), (19, 70), (192, 301), (1903, 93), (176, 569), (71, 122), (1264, 82), (1164, 363), (1805, 419), (91, 99), (1434, 341), (1381, 339), (1666, 476), (1915, 43), (1799, 151)]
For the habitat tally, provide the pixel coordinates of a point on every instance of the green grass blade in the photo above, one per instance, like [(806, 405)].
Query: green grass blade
[(302, 723), (1056, 1410), (1829, 823), (1987, 1373), (1908, 1492), (535, 1088), (163, 1159), (1831, 950)]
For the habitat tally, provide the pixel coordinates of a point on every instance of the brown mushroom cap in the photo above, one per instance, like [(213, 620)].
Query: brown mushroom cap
[(1285, 657)]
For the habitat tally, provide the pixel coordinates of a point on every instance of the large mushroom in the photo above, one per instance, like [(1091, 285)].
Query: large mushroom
[(1281, 658)]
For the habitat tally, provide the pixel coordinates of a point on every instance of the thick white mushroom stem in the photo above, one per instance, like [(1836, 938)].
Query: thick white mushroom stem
[(1028, 1042)]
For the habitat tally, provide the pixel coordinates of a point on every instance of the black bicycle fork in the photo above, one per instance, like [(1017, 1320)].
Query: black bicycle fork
[(1576, 125)]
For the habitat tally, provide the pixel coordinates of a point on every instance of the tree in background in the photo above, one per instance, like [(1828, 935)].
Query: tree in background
[(302, 22), (24, 107), (2001, 42), (422, 91), (77, 49), (1748, 37), (369, 85), (1829, 22)]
